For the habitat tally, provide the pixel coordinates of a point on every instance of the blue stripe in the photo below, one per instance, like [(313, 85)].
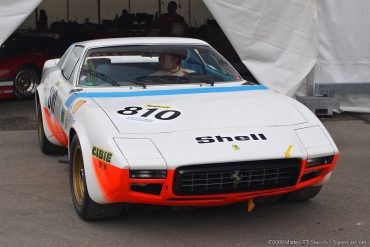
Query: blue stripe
[(75, 96)]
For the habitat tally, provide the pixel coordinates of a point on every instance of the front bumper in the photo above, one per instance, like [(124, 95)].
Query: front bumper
[(116, 186)]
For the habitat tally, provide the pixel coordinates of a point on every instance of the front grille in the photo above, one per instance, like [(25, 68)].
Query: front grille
[(247, 176)]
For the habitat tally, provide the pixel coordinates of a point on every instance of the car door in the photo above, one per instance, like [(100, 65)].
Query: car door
[(61, 84), (51, 83), (66, 85)]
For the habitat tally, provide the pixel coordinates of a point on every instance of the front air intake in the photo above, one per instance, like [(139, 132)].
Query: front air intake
[(247, 176)]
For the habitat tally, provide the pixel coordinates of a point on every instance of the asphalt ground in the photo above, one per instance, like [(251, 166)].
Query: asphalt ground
[(36, 207)]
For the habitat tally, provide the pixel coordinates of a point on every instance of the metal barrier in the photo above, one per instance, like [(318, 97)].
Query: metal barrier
[(331, 89), (324, 102)]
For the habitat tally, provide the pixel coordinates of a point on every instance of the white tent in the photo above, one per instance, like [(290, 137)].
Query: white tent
[(282, 42), (13, 13)]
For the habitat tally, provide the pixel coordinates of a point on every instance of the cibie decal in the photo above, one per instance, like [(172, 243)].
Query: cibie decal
[(77, 105), (211, 139), (149, 113), (102, 154)]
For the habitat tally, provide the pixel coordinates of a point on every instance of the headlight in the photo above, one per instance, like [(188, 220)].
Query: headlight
[(319, 161), (143, 158), (316, 144), (148, 174)]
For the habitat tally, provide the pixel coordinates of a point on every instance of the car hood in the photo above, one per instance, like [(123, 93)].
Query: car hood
[(163, 113)]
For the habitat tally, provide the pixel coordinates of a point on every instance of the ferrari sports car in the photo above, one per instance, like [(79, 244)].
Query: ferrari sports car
[(169, 121)]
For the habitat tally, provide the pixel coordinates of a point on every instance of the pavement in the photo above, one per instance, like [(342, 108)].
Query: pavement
[(36, 207)]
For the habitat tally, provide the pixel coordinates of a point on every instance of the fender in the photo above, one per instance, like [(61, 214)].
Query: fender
[(92, 183), (311, 117), (99, 183)]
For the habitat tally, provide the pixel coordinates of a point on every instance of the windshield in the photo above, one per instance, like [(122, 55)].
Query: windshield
[(154, 65)]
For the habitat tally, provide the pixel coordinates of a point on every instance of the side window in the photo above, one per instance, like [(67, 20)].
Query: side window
[(64, 42), (71, 61), (64, 57), (210, 60), (217, 64)]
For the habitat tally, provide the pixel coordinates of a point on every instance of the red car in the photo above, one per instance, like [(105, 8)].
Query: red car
[(22, 58)]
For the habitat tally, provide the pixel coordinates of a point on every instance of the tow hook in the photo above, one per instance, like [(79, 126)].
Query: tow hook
[(250, 205)]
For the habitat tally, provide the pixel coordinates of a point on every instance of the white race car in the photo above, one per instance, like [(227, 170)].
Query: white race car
[(168, 121)]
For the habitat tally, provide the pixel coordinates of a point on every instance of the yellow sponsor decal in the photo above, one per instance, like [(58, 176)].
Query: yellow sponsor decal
[(236, 147), (102, 154), (57, 83), (287, 152), (65, 123), (78, 105), (158, 106)]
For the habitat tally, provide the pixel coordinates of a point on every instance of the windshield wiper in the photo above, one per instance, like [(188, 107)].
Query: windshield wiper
[(104, 77), (113, 81), (167, 79), (190, 77)]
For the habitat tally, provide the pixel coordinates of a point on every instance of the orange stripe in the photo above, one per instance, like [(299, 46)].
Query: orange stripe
[(109, 178), (55, 129)]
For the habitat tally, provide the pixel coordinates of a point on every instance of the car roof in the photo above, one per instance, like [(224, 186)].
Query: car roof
[(141, 41)]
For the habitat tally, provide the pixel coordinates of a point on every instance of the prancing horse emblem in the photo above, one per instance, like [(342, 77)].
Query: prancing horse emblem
[(237, 177)]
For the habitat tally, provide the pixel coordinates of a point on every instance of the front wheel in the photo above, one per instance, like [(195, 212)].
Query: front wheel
[(25, 82), (85, 207)]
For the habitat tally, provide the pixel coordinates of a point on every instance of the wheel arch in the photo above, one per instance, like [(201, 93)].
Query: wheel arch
[(93, 187)]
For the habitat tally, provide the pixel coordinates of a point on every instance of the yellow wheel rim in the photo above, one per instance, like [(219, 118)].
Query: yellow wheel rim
[(78, 176)]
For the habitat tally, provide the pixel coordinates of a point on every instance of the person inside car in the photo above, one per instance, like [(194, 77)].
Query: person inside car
[(170, 65)]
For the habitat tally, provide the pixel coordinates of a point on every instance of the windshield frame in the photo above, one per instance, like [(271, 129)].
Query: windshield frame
[(194, 46)]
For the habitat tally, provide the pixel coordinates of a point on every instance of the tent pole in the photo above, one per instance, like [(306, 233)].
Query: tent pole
[(99, 13), (159, 7), (129, 6), (37, 16), (67, 10), (189, 13)]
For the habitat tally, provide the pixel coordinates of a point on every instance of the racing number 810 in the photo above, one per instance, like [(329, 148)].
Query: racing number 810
[(162, 115)]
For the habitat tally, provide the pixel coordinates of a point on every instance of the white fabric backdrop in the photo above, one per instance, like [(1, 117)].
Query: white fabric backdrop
[(13, 13), (344, 54), (276, 39)]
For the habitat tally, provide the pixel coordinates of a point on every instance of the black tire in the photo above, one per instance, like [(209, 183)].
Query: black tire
[(45, 145), (26, 82), (301, 195), (86, 208)]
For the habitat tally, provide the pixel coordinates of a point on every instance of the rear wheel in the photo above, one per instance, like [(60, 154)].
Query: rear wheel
[(302, 194), (25, 82), (86, 208), (45, 145)]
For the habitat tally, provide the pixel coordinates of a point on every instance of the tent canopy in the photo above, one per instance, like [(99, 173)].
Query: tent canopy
[(280, 41)]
